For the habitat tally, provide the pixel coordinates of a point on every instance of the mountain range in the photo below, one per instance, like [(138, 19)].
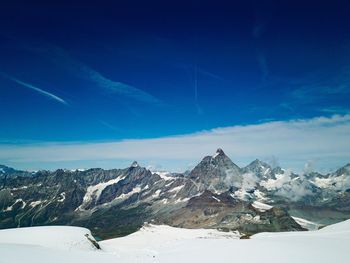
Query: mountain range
[(215, 194)]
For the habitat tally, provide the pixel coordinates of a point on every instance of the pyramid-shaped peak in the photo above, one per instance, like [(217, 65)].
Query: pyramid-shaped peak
[(134, 164), (219, 152)]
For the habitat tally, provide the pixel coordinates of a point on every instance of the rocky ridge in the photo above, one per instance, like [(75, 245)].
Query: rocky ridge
[(215, 194)]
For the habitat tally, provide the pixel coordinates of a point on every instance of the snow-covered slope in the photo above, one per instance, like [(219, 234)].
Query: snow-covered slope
[(155, 238), (168, 244), (53, 244), (57, 237)]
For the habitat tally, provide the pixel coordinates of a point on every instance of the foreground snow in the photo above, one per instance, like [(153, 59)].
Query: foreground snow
[(54, 244), (151, 241), (168, 244), (57, 237)]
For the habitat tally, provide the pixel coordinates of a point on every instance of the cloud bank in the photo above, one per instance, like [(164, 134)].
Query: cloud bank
[(323, 140)]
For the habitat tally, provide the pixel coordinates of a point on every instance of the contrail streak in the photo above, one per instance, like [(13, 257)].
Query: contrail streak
[(43, 92)]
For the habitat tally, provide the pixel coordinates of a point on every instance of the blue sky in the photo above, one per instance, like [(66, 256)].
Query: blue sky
[(110, 71)]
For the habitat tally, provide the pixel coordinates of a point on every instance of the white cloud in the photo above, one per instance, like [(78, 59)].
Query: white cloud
[(324, 140)]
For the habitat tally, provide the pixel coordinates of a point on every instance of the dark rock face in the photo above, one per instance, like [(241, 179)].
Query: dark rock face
[(215, 172), (225, 212), (215, 194)]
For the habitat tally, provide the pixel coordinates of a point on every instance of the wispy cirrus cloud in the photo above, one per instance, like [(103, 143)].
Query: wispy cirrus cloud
[(79, 69), (323, 140), (336, 110), (319, 85), (30, 86), (259, 27), (319, 91)]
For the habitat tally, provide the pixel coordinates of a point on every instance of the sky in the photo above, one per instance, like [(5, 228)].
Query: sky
[(103, 83)]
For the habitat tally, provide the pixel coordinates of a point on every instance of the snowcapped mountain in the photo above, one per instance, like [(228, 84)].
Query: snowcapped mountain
[(215, 194), (8, 171), (216, 173)]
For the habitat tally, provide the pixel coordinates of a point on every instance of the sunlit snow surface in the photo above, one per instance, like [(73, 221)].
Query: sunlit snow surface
[(168, 244), (56, 237)]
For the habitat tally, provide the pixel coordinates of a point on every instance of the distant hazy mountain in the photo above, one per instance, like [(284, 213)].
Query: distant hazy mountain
[(215, 194)]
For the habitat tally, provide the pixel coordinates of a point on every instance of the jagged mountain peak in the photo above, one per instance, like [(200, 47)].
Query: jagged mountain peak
[(346, 167), (215, 172), (217, 161), (220, 158), (215, 191), (219, 152), (134, 164), (6, 169), (345, 170), (260, 169), (257, 162)]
